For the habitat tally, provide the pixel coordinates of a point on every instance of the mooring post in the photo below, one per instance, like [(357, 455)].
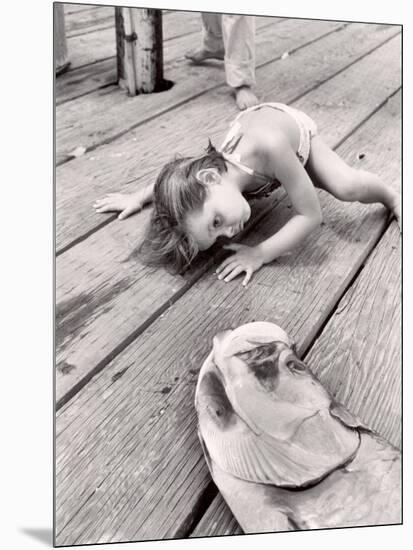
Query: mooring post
[(60, 45), (139, 49)]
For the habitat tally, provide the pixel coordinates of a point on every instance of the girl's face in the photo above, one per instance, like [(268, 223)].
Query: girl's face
[(224, 213)]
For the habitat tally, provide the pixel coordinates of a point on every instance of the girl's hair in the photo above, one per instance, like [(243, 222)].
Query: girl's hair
[(177, 192)]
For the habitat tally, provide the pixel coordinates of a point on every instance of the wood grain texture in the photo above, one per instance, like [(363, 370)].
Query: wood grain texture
[(89, 20), (76, 7), (102, 294), (358, 354), (132, 161), (129, 466), (217, 520)]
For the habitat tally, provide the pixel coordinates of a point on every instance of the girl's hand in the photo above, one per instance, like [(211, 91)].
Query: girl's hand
[(246, 258), (126, 203)]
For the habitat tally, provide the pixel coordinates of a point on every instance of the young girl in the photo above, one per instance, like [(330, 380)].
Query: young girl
[(196, 200)]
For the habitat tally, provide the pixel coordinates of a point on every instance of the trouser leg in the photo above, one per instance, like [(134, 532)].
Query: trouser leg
[(212, 39), (238, 32)]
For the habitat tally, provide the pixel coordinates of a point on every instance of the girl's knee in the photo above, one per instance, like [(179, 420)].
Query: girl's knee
[(350, 185)]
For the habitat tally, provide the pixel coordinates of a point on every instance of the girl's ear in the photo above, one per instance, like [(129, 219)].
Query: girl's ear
[(208, 176)]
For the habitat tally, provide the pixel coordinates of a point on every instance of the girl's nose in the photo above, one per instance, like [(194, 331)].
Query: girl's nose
[(229, 232)]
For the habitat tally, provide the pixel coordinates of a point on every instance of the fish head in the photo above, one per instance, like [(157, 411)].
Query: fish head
[(262, 356), (263, 416)]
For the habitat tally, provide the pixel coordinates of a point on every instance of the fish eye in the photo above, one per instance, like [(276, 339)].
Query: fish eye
[(297, 365)]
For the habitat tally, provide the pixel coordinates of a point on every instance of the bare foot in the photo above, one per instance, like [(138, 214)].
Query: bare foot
[(245, 97), (198, 56)]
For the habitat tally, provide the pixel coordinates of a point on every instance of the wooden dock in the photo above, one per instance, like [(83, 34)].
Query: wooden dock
[(130, 341)]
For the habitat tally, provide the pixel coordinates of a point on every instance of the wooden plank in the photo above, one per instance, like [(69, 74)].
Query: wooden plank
[(132, 474), (89, 78), (357, 358), (90, 20), (80, 181), (99, 289), (358, 355), (100, 20), (100, 45), (74, 8), (217, 520)]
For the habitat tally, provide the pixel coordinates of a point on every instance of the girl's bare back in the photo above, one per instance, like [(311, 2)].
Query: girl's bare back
[(266, 121)]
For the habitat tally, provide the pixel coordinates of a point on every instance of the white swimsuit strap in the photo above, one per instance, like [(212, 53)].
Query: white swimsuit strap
[(235, 159)]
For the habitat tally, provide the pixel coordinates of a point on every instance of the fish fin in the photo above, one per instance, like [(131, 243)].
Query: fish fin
[(260, 459), (257, 508), (347, 418)]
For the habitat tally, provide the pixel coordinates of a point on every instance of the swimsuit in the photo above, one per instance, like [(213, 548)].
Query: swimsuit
[(306, 126)]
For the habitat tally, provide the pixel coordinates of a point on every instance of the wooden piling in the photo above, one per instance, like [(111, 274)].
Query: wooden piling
[(139, 49), (60, 45)]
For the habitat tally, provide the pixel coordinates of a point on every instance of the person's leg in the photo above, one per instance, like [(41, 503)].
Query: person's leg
[(329, 172), (212, 46), (239, 40)]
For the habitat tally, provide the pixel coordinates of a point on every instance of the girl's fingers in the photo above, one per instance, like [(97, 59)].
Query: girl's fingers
[(239, 269), (103, 202), (224, 263), (230, 258), (247, 277), (107, 208), (234, 246), (124, 214), (228, 268), (102, 198), (106, 198)]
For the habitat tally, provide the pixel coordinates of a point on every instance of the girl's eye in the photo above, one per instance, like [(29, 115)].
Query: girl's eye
[(217, 222)]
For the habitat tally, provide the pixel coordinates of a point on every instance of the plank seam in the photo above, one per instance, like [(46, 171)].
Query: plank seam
[(86, 235), (306, 349), (90, 32), (90, 64), (131, 337), (93, 8)]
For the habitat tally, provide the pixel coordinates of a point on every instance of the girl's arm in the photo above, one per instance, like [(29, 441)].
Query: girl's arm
[(283, 164), (126, 203)]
